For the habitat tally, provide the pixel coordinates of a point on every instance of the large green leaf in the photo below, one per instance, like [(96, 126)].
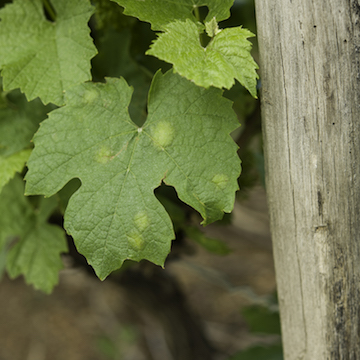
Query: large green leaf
[(41, 57), (35, 245), (161, 12), (225, 58), (184, 142)]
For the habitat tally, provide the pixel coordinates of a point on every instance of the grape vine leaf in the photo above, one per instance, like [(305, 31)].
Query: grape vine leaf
[(12, 164), (184, 142), (19, 120), (160, 13), (212, 27), (225, 58), (36, 245), (41, 57)]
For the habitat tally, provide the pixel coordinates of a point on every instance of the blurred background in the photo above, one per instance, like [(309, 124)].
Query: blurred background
[(216, 297), (202, 306)]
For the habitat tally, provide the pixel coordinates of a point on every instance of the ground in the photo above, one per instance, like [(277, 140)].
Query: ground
[(86, 319)]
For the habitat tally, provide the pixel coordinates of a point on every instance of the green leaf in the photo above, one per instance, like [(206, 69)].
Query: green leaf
[(273, 352), (212, 27), (162, 12), (38, 244), (9, 166), (18, 122), (184, 142), (44, 58), (212, 245), (226, 58), (260, 319)]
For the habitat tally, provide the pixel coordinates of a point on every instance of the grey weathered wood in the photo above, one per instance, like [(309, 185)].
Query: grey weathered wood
[(310, 71)]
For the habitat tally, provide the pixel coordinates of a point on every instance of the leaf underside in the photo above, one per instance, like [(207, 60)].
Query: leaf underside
[(184, 142)]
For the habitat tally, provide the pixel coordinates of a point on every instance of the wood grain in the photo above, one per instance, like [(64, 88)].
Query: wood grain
[(310, 75)]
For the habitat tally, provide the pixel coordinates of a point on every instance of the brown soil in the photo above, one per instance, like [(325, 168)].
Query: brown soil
[(86, 319)]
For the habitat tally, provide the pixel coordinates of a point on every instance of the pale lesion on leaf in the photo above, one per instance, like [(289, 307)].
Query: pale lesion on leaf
[(141, 220), (136, 240), (106, 154), (162, 134), (220, 180), (90, 95)]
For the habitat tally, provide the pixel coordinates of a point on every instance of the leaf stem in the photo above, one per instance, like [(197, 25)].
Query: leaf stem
[(49, 9), (204, 39), (197, 13)]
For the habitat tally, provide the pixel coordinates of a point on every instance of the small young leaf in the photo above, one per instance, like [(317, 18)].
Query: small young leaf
[(184, 142), (226, 57), (36, 251), (44, 58), (212, 27), (160, 13)]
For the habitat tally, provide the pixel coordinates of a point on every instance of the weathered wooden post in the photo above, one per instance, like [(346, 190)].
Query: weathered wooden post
[(310, 71)]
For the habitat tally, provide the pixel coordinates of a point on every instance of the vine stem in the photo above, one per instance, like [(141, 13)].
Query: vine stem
[(49, 9)]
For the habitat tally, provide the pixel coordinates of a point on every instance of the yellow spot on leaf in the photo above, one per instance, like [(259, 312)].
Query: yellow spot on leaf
[(89, 96), (136, 240), (141, 220), (104, 155), (220, 180), (163, 134)]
